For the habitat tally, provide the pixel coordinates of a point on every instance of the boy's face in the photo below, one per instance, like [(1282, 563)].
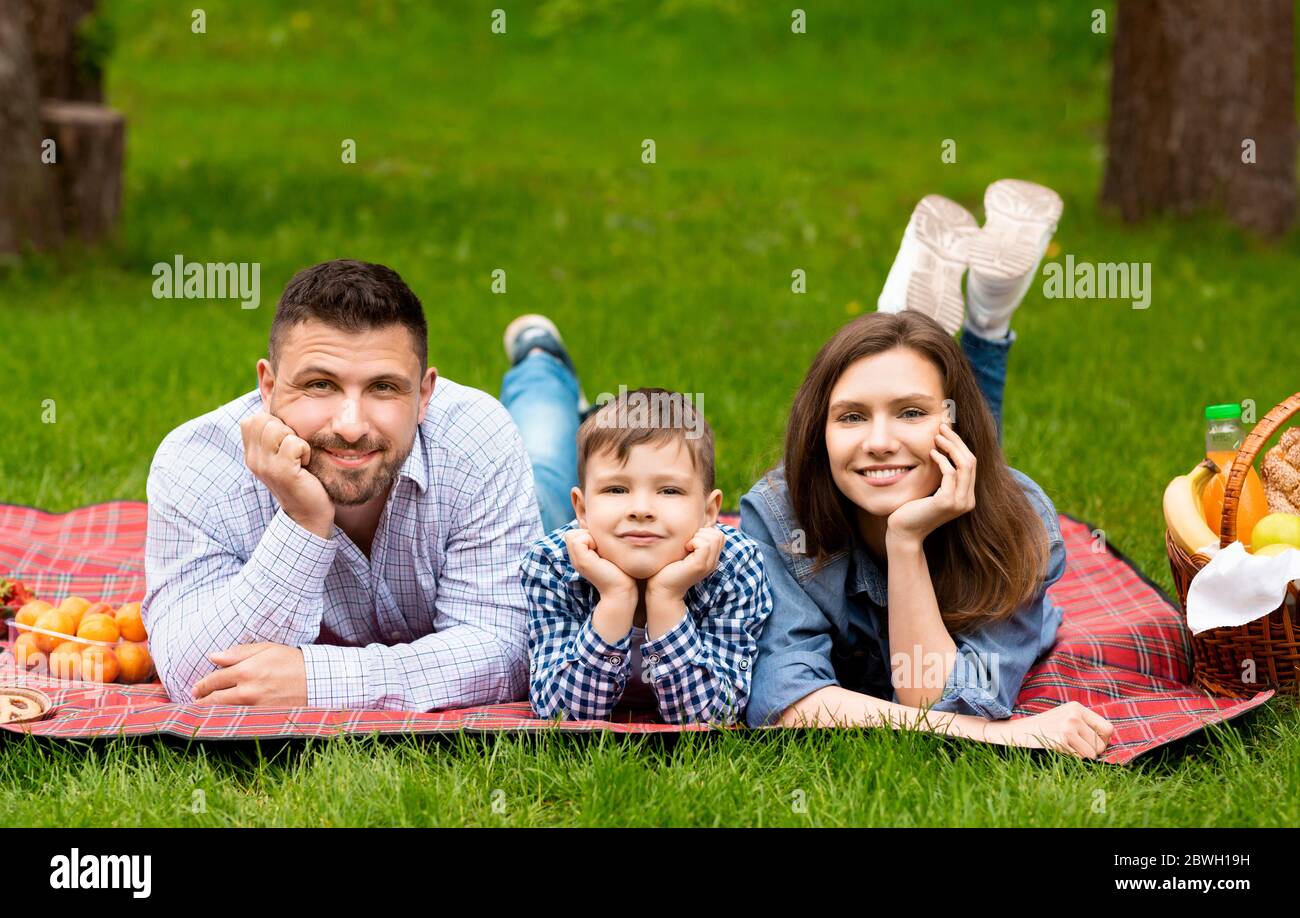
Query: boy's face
[(658, 492)]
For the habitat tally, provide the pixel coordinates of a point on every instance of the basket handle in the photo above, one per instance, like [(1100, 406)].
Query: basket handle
[(1250, 447)]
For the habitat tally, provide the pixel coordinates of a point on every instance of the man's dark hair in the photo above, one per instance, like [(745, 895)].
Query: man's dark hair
[(351, 295)]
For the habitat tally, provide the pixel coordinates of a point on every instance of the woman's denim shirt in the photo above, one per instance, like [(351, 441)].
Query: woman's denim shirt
[(832, 627)]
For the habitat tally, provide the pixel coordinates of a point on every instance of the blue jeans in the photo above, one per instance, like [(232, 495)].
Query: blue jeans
[(988, 358), (541, 395)]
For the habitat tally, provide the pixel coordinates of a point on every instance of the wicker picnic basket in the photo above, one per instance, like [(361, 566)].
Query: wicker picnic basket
[(1273, 641)]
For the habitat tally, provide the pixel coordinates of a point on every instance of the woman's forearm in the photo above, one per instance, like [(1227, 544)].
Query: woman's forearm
[(835, 706), (922, 653)]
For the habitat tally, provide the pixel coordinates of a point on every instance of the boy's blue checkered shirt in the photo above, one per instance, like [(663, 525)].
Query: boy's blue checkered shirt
[(700, 670)]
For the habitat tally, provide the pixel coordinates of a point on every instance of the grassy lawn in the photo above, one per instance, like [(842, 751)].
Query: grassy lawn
[(523, 151)]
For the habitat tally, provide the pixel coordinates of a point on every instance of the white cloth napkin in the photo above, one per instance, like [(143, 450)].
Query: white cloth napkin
[(1236, 587)]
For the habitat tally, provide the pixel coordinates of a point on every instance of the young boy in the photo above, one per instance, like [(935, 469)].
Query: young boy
[(644, 598)]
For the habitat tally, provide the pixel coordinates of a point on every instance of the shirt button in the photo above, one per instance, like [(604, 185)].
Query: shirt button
[(615, 659), (744, 664), (654, 658), (532, 667)]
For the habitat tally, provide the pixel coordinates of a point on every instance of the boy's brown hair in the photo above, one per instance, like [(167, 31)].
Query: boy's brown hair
[(616, 427)]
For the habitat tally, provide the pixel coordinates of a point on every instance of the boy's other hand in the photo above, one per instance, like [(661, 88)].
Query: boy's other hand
[(279, 457), (702, 553), (606, 576)]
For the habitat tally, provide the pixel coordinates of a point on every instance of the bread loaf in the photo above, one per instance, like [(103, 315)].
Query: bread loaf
[(1280, 472)]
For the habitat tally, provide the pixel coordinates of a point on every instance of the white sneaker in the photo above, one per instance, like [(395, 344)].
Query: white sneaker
[(1019, 220), (926, 274)]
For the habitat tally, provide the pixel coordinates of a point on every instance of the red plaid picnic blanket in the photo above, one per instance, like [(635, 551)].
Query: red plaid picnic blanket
[(1123, 650)]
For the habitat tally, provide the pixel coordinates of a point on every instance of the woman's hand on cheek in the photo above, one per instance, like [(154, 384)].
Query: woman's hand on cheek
[(916, 519), (702, 553)]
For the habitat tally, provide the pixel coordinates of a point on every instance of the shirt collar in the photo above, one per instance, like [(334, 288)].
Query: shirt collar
[(415, 467), (865, 575), (568, 573)]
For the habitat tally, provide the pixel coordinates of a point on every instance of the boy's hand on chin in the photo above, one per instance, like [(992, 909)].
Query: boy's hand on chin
[(702, 553), (916, 519), (606, 576)]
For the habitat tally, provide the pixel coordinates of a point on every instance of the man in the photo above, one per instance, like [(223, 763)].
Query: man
[(349, 534)]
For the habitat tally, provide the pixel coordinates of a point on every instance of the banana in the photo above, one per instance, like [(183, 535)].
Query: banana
[(1183, 513)]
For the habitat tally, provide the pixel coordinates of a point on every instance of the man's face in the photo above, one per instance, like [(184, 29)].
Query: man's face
[(355, 397), (658, 492)]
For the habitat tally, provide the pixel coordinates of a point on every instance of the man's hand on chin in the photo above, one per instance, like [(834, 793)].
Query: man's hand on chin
[(255, 674)]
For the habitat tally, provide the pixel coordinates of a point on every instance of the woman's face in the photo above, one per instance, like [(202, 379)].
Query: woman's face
[(885, 411)]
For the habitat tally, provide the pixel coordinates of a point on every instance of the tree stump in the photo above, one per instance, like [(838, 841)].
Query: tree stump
[(1203, 111), (28, 211), (62, 68), (90, 143)]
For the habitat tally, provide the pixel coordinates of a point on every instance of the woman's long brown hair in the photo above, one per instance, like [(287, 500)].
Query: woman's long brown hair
[(985, 563)]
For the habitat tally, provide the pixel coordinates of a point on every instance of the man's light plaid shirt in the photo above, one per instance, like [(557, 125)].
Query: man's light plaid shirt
[(435, 618)]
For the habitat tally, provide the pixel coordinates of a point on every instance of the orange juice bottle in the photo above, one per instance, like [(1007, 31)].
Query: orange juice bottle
[(1223, 436)]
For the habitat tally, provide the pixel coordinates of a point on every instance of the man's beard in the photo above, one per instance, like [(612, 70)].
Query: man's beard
[(353, 487)]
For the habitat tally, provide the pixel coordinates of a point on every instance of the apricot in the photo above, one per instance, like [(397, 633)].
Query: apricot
[(28, 614), (27, 652), (65, 661), (99, 664), (130, 623), (75, 606), (58, 621), (97, 608), (135, 664), (99, 627)]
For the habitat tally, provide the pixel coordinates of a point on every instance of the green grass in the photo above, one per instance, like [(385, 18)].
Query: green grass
[(821, 778), (522, 151)]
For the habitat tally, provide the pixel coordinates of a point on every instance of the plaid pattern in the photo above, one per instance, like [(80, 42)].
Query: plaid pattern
[(1122, 650), (699, 670), (433, 619), (95, 551)]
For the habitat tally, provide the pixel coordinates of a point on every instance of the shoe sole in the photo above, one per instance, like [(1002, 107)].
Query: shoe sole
[(1019, 217), (943, 229), (532, 318)]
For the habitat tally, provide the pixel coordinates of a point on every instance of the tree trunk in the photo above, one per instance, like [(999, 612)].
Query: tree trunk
[(62, 71), (90, 141), (28, 212), (1203, 111)]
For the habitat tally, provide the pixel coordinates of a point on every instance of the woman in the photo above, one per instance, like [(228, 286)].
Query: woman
[(885, 528)]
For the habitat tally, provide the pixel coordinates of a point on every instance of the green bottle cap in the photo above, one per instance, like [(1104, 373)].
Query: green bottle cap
[(1219, 412)]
